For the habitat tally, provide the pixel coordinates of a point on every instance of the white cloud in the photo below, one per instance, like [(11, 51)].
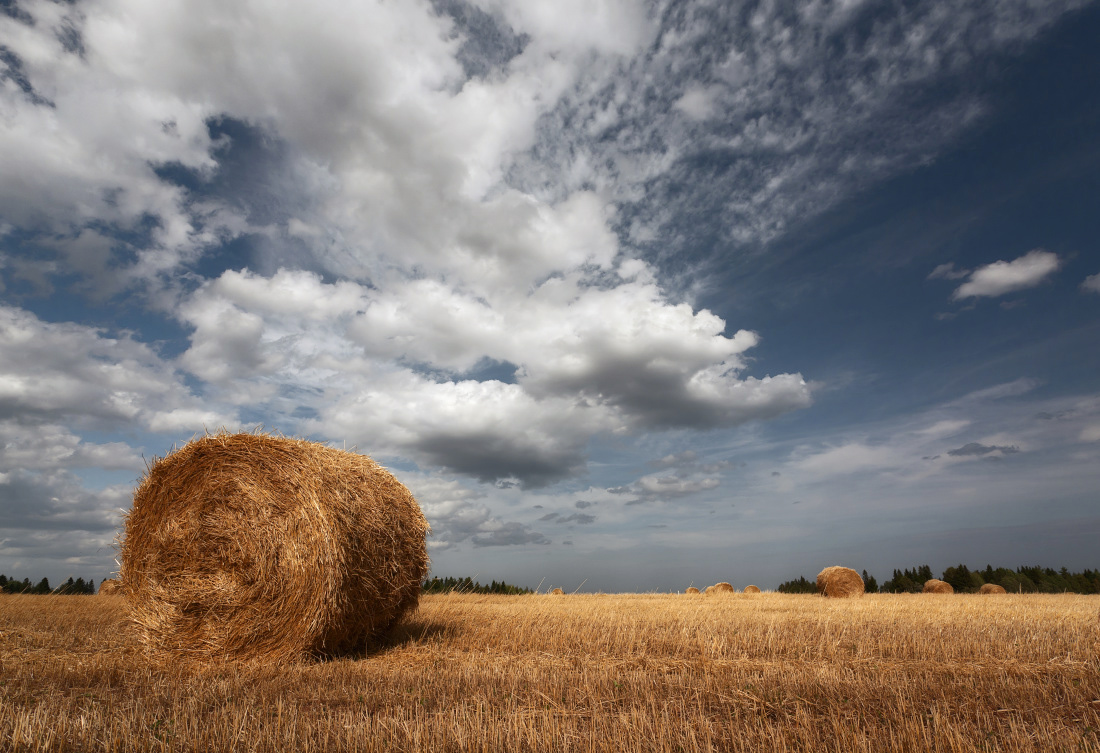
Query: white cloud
[(44, 447), (848, 458), (1015, 388), (788, 111), (1003, 277), (948, 272), (51, 372), (393, 365), (697, 103), (945, 428), (618, 27), (458, 514), (1091, 283), (487, 179)]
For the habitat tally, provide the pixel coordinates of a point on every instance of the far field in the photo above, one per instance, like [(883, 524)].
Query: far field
[(769, 672)]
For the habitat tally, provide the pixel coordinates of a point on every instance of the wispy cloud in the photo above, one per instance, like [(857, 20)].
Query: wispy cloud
[(1003, 277), (948, 272)]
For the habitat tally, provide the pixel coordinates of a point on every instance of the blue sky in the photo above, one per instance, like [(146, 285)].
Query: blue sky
[(639, 294)]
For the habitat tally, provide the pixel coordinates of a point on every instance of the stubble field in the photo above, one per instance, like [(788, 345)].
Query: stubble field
[(652, 672)]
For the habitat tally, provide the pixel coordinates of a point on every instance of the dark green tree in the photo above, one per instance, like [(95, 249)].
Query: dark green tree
[(959, 578), (800, 586)]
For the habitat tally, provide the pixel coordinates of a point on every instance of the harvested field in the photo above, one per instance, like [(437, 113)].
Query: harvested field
[(765, 672)]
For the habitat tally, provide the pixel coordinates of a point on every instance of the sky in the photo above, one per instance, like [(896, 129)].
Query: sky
[(631, 295)]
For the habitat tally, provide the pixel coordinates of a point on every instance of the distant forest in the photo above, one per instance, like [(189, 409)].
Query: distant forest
[(433, 586), (78, 586), (468, 586), (1028, 580)]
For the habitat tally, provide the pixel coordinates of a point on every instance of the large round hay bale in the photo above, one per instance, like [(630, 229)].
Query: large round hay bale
[(936, 586), (109, 587), (839, 582), (255, 546), (557, 592), (752, 590), (708, 590), (691, 590), (723, 588), (991, 588)]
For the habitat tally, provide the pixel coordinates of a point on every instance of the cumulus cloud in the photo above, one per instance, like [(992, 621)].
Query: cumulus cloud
[(1091, 284), (1003, 277), (458, 514), (63, 371), (394, 367), (43, 446), (55, 500)]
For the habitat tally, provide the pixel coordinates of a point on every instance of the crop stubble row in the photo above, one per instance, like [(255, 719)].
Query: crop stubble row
[(585, 672)]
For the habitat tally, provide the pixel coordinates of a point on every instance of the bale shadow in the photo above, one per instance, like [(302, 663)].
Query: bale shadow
[(405, 633)]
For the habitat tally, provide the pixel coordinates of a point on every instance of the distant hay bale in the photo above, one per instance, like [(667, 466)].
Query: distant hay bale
[(708, 590), (752, 590), (255, 546), (691, 590), (936, 586), (722, 588), (557, 592), (110, 587), (991, 588), (839, 583)]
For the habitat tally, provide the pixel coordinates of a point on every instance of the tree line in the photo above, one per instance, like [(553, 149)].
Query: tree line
[(1028, 580), (468, 586), (78, 586)]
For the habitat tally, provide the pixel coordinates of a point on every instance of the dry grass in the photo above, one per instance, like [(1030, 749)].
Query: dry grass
[(769, 672), (250, 545)]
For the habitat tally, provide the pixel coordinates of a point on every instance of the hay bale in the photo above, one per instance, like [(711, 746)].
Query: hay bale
[(752, 590), (936, 586), (991, 588), (708, 590), (109, 587), (557, 592), (691, 590), (256, 546), (723, 588), (839, 583)]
